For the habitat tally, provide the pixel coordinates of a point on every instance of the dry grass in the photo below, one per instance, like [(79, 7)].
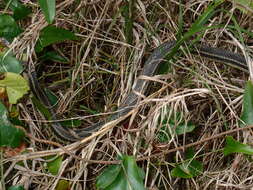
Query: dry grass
[(99, 75)]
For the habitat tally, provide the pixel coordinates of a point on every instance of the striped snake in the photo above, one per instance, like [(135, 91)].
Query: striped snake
[(140, 86)]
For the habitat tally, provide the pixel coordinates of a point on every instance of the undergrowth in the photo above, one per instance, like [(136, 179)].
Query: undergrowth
[(115, 38)]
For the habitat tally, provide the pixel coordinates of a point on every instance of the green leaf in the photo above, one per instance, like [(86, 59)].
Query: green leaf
[(21, 12), (4, 115), (53, 99), (174, 126), (53, 56), (54, 165), (8, 63), (8, 27), (42, 108), (189, 168), (184, 128), (48, 8), (63, 185), (108, 176), (233, 146), (18, 187), (16, 86), (247, 112), (51, 34), (126, 176), (12, 4), (9, 135)]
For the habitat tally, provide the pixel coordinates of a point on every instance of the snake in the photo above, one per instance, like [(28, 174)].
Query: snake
[(139, 86)]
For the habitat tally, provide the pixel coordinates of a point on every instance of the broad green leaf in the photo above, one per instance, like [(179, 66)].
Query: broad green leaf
[(16, 86), (4, 115), (247, 112), (189, 153), (21, 12), (63, 185), (126, 176), (8, 63), (189, 168), (134, 173), (51, 34), (18, 187), (48, 8), (107, 177), (233, 146), (53, 56), (9, 135), (8, 27), (54, 165)]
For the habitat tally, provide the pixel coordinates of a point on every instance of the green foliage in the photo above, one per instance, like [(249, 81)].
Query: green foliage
[(42, 108), (12, 4), (108, 176), (127, 13), (18, 187), (51, 34), (48, 9), (189, 168), (9, 135), (9, 63), (8, 27), (54, 165), (20, 11), (63, 185), (53, 56), (16, 86), (244, 5), (126, 176), (197, 26), (233, 146), (247, 113), (174, 126)]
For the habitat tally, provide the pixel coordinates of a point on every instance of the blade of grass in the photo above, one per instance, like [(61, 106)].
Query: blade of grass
[(128, 12), (180, 21), (197, 26)]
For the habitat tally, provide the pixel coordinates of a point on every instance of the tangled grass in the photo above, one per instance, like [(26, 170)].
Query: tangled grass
[(100, 72)]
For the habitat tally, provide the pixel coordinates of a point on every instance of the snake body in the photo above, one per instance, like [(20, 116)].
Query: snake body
[(140, 86)]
